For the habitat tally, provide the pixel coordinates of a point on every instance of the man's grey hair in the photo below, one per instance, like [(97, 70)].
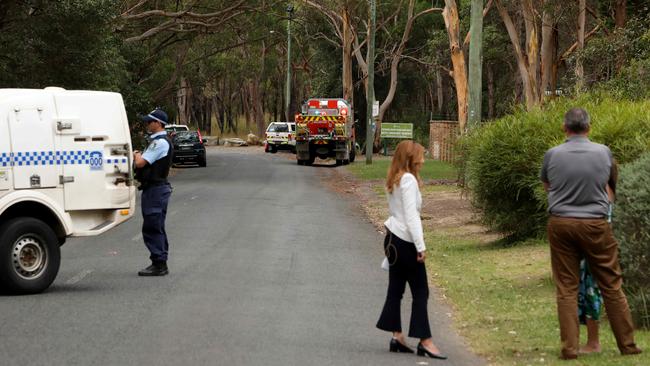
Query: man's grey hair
[(577, 120)]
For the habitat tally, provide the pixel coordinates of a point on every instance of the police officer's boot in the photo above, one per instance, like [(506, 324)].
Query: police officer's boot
[(156, 269)]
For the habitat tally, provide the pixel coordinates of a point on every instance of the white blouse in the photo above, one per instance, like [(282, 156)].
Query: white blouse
[(404, 207)]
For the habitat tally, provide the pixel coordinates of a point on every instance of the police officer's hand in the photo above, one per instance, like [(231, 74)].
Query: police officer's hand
[(422, 256)]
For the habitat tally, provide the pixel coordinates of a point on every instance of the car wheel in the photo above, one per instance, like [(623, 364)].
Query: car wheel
[(30, 256), (202, 162)]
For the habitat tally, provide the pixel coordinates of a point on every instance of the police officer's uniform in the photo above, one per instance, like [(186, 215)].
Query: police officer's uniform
[(156, 191)]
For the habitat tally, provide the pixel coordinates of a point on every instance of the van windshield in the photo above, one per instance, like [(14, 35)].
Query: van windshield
[(278, 127)]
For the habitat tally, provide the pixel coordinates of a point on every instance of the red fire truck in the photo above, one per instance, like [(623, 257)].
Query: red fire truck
[(325, 129)]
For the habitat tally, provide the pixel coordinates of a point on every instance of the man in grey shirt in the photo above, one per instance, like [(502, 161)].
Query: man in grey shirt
[(576, 176)]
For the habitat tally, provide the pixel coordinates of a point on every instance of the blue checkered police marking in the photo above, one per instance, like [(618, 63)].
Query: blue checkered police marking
[(43, 158), (5, 159), (116, 161)]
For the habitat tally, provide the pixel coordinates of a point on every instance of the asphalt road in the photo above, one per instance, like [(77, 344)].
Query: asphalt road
[(266, 268)]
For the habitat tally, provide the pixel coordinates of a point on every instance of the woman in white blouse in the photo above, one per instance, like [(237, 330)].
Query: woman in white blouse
[(406, 252)]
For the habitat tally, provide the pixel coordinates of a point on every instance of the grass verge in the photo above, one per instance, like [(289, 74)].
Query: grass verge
[(432, 170), (505, 301), (503, 297)]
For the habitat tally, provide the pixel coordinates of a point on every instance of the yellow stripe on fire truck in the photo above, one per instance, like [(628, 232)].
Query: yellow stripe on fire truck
[(321, 118)]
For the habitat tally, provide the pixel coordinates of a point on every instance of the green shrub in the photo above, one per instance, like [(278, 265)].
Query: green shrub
[(502, 159), (632, 228)]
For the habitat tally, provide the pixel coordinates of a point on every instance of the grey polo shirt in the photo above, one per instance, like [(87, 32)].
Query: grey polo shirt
[(578, 172)]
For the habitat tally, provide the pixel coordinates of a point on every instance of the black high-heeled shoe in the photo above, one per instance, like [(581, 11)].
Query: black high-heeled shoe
[(424, 352), (396, 346)]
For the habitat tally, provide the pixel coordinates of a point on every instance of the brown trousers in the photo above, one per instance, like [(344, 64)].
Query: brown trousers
[(570, 240)]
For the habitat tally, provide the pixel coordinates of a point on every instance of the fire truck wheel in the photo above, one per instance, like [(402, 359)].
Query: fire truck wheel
[(29, 256), (339, 162), (353, 154), (300, 162), (310, 161)]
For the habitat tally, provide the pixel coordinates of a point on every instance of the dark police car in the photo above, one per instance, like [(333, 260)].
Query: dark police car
[(188, 147)]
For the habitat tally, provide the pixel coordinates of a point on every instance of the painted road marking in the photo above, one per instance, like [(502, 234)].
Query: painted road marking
[(79, 276)]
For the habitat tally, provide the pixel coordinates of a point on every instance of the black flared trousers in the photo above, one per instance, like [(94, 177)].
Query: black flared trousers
[(404, 267)]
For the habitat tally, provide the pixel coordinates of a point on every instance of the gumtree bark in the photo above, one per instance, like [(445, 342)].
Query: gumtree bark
[(491, 97), (348, 39), (582, 19), (549, 50), (184, 101), (527, 60), (452, 23), (621, 13), (440, 92)]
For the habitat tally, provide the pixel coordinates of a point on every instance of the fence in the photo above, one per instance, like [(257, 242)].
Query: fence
[(442, 140)]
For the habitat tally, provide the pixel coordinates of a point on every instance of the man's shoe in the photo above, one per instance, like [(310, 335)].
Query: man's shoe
[(154, 270), (568, 356), (633, 351)]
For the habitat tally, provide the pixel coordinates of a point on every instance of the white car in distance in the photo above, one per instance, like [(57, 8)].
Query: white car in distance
[(280, 136)]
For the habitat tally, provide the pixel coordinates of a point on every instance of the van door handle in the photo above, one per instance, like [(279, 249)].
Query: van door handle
[(63, 125), (119, 151), (63, 179)]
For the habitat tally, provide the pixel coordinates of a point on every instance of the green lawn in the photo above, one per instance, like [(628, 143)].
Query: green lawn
[(505, 301), (377, 170)]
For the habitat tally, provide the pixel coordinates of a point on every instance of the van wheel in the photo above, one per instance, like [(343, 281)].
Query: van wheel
[(30, 256)]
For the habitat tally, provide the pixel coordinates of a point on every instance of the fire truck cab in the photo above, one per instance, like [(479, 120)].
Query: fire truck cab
[(65, 170), (325, 129)]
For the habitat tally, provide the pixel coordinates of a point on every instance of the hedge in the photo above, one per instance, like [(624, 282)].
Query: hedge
[(632, 228), (501, 160)]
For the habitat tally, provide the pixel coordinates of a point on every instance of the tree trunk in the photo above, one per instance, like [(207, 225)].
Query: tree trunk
[(348, 82), (452, 23), (580, 70), (549, 50), (556, 63), (394, 66), (621, 13), (440, 92), (256, 104), (491, 99), (184, 101), (528, 60)]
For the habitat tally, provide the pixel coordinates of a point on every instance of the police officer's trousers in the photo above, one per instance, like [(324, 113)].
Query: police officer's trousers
[(154, 213)]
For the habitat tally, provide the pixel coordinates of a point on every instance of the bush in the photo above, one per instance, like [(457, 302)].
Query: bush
[(502, 160), (632, 228)]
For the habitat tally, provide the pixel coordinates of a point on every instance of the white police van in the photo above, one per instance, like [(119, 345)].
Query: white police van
[(65, 170)]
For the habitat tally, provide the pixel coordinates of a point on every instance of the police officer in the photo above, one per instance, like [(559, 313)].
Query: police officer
[(151, 170)]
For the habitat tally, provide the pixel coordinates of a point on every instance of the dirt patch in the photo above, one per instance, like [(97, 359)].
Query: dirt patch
[(443, 204)]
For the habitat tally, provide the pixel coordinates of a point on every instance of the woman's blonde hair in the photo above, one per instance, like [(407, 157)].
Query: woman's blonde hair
[(407, 154)]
